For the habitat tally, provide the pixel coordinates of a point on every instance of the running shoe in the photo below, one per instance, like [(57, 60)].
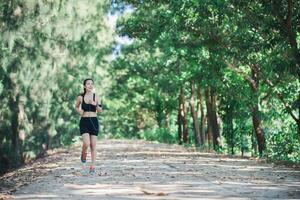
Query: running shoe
[(92, 170)]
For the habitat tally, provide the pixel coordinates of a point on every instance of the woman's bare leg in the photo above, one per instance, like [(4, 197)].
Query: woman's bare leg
[(85, 144), (93, 143)]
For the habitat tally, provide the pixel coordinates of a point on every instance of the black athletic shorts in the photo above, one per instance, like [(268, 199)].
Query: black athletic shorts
[(89, 125)]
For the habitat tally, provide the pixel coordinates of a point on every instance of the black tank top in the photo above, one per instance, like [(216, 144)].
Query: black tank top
[(88, 107)]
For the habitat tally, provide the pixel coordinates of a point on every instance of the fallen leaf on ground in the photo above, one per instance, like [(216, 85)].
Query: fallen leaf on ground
[(153, 193)]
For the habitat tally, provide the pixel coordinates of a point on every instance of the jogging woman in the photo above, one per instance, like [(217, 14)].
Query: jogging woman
[(89, 124)]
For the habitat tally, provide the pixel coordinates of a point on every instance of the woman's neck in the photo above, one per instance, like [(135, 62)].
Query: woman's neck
[(88, 93)]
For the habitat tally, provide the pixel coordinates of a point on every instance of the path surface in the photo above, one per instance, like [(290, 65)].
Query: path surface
[(133, 169)]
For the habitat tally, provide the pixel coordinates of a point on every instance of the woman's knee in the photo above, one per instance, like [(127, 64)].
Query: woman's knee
[(86, 144), (92, 146)]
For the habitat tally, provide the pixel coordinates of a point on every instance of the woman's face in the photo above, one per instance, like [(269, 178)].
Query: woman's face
[(89, 85)]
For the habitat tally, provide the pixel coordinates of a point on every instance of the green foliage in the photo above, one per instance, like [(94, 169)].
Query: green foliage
[(47, 49), (246, 52), (162, 135), (284, 145), (241, 50)]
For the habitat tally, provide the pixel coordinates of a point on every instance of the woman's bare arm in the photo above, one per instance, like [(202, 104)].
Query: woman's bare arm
[(98, 102), (77, 105)]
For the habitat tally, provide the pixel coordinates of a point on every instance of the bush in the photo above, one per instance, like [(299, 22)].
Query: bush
[(161, 135), (284, 146)]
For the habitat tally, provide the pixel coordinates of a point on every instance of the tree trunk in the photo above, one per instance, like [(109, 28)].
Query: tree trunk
[(208, 137), (202, 116), (194, 114), (185, 123), (159, 108), (183, 116), (167, 116), (291, 33), (228, 127), (298, 122), (180, 117), (257, 124), (292, 36), (212, 117), (254, 143), (17, 123)]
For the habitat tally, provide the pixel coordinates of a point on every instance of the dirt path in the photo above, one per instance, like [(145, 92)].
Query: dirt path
[(132, 169)]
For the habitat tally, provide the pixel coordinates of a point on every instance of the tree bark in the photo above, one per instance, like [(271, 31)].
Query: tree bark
[(183, 117), (292, 35), (258, 130), (17, 123), (194, 114), (180, 117), (228, 126), (167, 116), (185, 122), (159, 108), (298, 122), (209, 134), (257, 123), (254, 143), (202, 116), (212, 116)]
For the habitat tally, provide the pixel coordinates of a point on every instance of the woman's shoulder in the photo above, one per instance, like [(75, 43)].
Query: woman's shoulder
[(80, 96)]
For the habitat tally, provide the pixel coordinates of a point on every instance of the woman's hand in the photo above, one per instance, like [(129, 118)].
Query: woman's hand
[(99, 108)]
